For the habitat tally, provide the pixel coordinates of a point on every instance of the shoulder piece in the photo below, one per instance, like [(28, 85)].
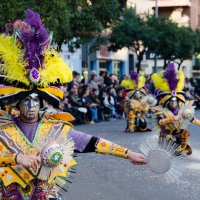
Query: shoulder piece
[(59, 116), (157, 110), (5, 118)]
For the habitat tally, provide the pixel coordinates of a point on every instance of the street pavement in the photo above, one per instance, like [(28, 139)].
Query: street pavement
[(111, 178)]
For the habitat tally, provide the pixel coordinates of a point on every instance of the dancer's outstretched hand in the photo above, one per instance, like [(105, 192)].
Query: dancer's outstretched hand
[(136, 158), (29, 161)]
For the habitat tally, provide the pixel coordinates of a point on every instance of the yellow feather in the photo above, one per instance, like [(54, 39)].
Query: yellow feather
[(12, 57), (181, 80), (54, 68), (128, 83), (141, 81), (160, 83)]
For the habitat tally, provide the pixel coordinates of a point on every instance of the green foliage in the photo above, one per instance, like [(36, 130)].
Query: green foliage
[(67, 19), (132, 32), (197, 43), (186, 39), (173, 42), (145, 32)]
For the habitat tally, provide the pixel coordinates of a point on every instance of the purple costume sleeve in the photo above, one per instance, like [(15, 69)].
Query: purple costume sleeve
[(80, 139)]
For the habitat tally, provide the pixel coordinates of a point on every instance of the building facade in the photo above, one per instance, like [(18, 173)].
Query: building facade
[(184, 13), (122, 61)]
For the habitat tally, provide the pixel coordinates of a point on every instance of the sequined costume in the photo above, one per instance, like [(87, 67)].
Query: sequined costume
[(19, 183), (173, 114), (137, 103), (31, 71)]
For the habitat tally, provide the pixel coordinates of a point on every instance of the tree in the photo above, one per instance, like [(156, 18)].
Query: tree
[(166, 36), (132, 32), (173, 43), (186, 39), (68, 19), (197, 42)]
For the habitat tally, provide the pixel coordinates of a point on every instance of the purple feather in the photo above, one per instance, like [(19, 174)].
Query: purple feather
[(134, 76), (171, 76), (34, 39)]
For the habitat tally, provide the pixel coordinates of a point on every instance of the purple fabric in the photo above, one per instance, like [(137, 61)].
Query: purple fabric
[(35, 39), (134, 76), (171, 76), (28, 130), (40, 191), (80, 139), (175, 110)]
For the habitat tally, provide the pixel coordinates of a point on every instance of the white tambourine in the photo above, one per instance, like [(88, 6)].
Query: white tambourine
[(162, 156)]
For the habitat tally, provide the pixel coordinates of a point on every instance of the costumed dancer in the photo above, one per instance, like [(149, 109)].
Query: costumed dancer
[(173, 114), (36, 147), (137, 103)]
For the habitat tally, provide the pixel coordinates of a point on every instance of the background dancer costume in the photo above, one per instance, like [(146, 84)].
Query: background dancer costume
[(136, 106), (174, 114), (36, 148)]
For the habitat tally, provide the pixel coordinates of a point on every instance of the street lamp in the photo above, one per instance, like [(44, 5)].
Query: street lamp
[(155, 59)]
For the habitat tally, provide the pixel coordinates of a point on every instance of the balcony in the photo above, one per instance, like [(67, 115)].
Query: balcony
[(171, 3)]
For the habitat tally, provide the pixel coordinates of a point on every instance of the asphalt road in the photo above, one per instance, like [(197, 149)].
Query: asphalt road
[(112, 178)]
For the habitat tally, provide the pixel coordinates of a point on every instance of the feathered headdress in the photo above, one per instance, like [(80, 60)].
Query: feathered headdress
[(169, 84), (134, 83), (29, 64)]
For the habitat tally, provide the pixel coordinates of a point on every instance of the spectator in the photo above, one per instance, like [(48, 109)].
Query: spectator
[(94, 97), (109, 104), (77, 108), (93, 83), (107, 78), (187, 83), (92, 113), (113, 80), (76, 77), (100, 79), (188, 95)]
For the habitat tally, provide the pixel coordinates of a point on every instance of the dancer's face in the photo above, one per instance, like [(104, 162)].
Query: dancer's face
[(173, 103), (29, 107), (137, 95)]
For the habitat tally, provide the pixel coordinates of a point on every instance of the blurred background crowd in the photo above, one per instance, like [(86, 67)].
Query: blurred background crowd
[(99, 97)]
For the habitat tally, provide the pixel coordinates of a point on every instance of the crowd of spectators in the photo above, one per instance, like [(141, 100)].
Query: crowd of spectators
[(93, 99), (98, 98)]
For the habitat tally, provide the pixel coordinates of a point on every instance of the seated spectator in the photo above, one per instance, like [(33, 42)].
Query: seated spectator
[(109, 104), (100, 79), (91, 110), (94, 98), (187, 83), (107, 78), (77, 107), (86, 79), (120, 102), (93, 82), (76, 77), (188, 95)]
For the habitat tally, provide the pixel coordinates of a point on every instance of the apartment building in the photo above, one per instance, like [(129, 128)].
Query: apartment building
[(185, 13)]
